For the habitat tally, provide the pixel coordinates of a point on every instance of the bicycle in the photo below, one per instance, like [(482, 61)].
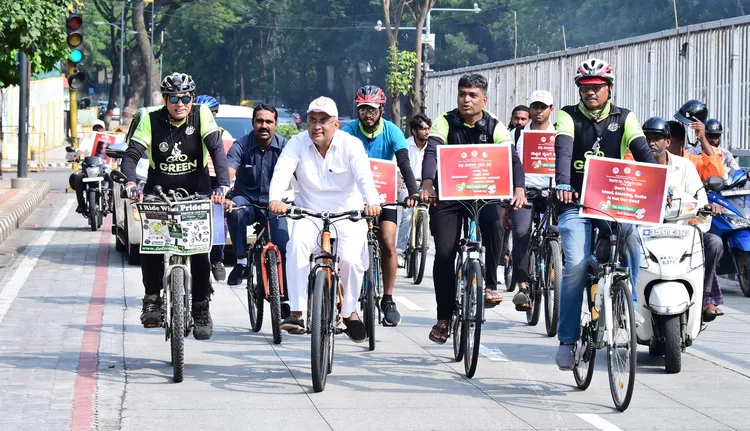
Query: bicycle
[(324, 295), (607, 317), (266, 279), (468, 314), (182, 215), (419, 244)]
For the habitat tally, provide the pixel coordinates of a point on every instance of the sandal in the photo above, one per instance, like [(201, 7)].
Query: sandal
[(718, 311), (709, 313), (491, 298), (440, 332)]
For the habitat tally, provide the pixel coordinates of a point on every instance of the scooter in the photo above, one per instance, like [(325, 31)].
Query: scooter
[(670, 282), (733, 226)]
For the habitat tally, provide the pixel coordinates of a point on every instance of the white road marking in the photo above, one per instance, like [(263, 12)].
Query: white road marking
[(408, 304), (33, 251), (494, 355), (598, 422)]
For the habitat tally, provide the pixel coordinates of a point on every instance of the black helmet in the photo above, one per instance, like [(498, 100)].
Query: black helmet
[(177, 83), (657, 125), (714, 127), (692, 109)]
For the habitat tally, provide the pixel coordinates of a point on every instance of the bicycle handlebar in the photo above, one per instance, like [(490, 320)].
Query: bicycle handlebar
[(178, 195), (297, 213)]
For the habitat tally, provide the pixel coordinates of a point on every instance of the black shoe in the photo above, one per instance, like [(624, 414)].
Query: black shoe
[(151, 312), (356, 330), (293, 325), (204, 325), (239, 273), (217, 269), (286, 310), (521, 300), (81, 208), (391, 316)]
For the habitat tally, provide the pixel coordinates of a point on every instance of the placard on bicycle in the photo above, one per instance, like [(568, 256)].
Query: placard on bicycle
[(386, 181), (183, 228), (477, 171)]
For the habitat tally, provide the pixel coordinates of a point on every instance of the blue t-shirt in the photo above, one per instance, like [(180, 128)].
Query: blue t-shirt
[(387, 139)]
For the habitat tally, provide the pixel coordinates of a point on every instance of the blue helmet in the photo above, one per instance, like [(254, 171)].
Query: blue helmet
[(209, 101)]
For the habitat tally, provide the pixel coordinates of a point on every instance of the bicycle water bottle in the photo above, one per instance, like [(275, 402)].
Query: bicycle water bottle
[(472, 231)]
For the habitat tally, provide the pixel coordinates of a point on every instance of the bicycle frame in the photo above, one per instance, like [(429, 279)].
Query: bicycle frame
[(264, 244)]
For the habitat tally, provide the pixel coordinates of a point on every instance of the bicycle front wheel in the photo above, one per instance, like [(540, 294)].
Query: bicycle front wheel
[(274, 291), (585, 351), (320, 329), (510, 284), (535, 294), (419, 258), (472, 319), (369, 308), (177, 323), (552, 276), (456, 332), (621, 353), (255, 293)]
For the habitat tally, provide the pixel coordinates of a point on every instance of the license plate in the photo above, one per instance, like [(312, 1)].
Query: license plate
[(93, 179), (728, 193)]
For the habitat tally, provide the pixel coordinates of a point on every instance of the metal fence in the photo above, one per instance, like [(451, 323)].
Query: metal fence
[(654, 75)]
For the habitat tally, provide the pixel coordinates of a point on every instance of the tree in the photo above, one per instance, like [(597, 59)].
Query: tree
[(399, 80), (419, 10), (391, 30)]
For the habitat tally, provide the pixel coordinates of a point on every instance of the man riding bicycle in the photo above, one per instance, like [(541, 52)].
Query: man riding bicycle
[(595, 126), (177, 138), (333, 174), (465, 125), (383, 140)]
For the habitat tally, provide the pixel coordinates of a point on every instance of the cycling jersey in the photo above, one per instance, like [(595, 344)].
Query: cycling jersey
[(381, 143)]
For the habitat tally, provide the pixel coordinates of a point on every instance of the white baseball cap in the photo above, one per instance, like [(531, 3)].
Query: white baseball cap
[(541, 96), (324, 104)]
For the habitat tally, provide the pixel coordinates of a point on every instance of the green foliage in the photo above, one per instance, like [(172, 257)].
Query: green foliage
[(35, 27), (287, 130), (399, 80), (461, 52)]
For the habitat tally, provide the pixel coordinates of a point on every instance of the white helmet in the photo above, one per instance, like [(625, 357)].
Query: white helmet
[(593, 71)]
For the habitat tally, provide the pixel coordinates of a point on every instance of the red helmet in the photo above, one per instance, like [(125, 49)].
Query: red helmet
[(370, 95)]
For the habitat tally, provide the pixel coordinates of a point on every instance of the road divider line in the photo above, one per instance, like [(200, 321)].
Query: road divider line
[(598, 422), (408, 304), (494, 355), (33, 251)]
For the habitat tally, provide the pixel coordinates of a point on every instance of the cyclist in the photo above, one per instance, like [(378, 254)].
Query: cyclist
[(521, 220), (595, 126), (216, 257), (467, 124), (419, 127), (383, 140), (177, 139), (252, 159), (333, 174)]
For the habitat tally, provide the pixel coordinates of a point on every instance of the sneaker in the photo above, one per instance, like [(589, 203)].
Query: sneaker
[(521, 300), (239, 273), (391, 316), (401, 260), (217, 269), (80, 209), (638, 319), (293, 325), (204, 325), (565, 357), (151, 312), (355, 330), (286, 310)]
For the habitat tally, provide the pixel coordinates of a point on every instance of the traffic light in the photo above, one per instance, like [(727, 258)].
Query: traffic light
[(74, 28), (428, 48)]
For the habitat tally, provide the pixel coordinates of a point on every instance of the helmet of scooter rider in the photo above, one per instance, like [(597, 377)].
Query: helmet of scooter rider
[(692, 110), (714, 127), (657, 125)]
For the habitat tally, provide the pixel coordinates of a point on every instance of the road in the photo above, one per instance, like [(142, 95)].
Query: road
[(73, 355)]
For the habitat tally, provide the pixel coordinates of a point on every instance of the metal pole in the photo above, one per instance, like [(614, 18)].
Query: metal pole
[(121, 98), (515, 26), (565, 41), (151, 57), (74, 114), (23, 108), (427, 26), (161, 55), (676, 25)]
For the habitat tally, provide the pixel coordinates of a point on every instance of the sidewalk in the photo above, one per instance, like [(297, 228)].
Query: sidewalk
[(54, 157), (16, 205)]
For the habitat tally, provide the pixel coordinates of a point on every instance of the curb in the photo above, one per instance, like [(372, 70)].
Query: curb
[(18, 216), (36, 165)]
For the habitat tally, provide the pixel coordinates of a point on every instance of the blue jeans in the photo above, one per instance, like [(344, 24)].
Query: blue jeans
[(575, 232), (237, 222)]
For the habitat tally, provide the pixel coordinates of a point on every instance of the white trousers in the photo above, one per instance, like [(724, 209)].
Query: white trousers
[(351, 247)]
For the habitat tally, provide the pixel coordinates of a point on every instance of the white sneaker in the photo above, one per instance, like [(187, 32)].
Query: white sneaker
[(401, 260)]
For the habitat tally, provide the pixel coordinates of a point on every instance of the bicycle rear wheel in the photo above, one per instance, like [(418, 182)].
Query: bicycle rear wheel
[(585, 351), (621, 353), (419, 258), (274, 291), (508, 262), (255, 292), (471, 329), (177, 323), (320, 329), (552, 279), (535, 294), (456, 332), (367, 301)]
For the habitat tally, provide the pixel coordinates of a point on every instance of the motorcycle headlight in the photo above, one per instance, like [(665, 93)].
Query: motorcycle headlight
[(736, 221), (93, 171)]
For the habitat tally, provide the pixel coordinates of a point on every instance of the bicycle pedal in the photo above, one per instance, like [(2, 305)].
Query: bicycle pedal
[(152, 325), (491, 304)]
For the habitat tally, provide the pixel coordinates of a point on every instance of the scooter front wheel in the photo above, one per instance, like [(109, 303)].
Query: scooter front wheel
[(743, 266)]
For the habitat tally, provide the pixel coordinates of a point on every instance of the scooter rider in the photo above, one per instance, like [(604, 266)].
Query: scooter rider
[(177, 138), (683, 177)]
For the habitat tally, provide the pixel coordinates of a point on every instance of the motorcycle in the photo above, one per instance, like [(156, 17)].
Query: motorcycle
[(733, 226), (97, 193), (670, 282)]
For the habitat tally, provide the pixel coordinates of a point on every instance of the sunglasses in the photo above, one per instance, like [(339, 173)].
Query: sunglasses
[(367, 110), (185, 99), (596, 88)]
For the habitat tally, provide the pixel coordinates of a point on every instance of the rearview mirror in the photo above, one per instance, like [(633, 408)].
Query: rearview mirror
[(70, 149), (715, 184), (118, 177)]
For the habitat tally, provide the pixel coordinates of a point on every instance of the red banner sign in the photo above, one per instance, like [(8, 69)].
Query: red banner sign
[(631, 192), (480, 171), (538, 152), (384, 175)]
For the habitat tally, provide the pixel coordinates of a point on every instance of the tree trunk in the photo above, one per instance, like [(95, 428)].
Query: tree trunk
[(144, 51), (415, 98), (136, 88)]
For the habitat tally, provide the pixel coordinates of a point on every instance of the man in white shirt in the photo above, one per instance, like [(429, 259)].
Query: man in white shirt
[(541, 108), (333, 174), (419, 127)]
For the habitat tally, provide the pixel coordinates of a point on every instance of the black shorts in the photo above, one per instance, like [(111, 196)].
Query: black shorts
[(389, 214)]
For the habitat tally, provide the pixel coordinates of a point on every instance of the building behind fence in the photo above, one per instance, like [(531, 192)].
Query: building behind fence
[(654, 75)]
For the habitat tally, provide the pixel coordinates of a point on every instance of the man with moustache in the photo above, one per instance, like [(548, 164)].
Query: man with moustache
[(252, 159)]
